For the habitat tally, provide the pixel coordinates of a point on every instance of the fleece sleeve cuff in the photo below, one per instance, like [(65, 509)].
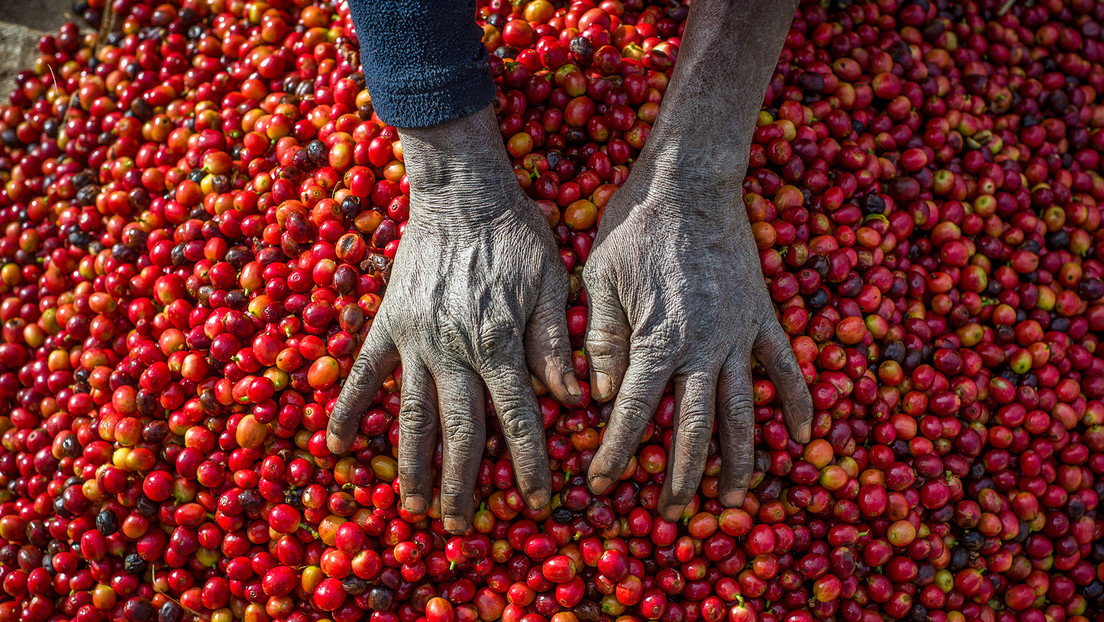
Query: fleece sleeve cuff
[(424, 61)]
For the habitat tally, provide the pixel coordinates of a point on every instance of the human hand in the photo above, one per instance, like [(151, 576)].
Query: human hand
[(476, 297), (676, 293)]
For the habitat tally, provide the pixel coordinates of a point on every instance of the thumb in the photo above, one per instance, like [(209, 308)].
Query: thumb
[(547, 347), (774, 351), (607, 339), (377, 358)]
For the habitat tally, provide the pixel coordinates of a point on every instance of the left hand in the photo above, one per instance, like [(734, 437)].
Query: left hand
[(476, 299)]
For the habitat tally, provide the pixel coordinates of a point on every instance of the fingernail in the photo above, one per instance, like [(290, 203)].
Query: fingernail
[(600, 483), (539, 498), (572, 385), (602, 383), (672, 513), (454, 524), (734, 498), (333, 443), (415, 504), (804, 434)]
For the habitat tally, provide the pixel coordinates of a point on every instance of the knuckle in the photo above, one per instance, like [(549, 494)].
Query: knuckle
[(451, 338), (448, 369), (540, 335), (542, 361), (739, 405), (417, 318), (633, 410), (495, 341), (656, 341), (787, 366), (603, 343), (696, 431), (362, 371), (555, 355), (341, 412), (378, 326), (528, 467), (414, 420), (776, 348), (459, 433), (743, 427), (379, 330), (518, 423), (526, 461), (502, 378), (528, 456), (700, 386), (604, 306)]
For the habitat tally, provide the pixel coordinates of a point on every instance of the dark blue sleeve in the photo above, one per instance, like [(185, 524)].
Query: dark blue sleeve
[(424, 61)]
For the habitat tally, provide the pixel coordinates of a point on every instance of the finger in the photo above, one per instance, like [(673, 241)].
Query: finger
[(773, 350), (736, 423), (547, 347), (695, 403), (607, 339), (463, 433), (417, 436), (376, 359), (636, 402), (507, 381)]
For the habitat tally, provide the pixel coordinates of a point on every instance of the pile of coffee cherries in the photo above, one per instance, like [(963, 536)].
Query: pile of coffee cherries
[(198, 216)]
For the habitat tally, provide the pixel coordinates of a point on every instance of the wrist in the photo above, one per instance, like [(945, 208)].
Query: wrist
[(679, 189), (460, 169)]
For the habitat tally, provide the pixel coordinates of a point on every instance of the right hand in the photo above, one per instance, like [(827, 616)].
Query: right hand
[(676, 293)]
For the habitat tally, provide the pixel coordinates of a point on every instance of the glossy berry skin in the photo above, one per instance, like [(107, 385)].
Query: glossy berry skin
[(198, 221)]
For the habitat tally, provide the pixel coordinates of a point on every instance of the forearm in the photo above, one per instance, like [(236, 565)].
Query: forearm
[(729, 51)]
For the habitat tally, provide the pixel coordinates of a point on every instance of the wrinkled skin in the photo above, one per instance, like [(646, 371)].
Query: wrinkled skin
[(675, 287), (676, 297), (476, 284)]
